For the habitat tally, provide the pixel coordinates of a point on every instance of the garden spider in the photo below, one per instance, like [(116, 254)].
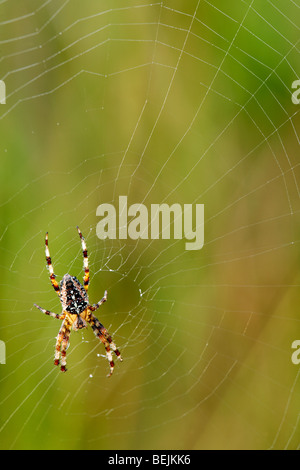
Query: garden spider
[(76, 310)]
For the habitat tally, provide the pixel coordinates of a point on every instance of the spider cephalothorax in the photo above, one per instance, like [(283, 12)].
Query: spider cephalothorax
[(76, 310)]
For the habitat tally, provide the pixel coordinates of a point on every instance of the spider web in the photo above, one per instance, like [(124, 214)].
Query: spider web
[(175, 102)]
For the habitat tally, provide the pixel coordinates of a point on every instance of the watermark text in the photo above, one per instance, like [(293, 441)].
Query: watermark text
[(161, 221), (296, 94), (296, 354), (2, 92), (2, 353)]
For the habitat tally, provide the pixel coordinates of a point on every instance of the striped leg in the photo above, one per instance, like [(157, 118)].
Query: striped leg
[(52, 275), (47, 312), (106, 339), (96, 306), (63, 338), (59, 339), (86, 278)]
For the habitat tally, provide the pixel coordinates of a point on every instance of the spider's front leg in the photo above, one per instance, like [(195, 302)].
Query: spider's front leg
[(86, 278), (49, 263)]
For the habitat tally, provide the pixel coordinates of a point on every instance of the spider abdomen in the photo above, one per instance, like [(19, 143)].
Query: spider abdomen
[(73, 295)]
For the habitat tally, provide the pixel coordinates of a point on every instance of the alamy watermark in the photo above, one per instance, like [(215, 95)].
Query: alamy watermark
[(296, 354), (2, 92), (296, 94), (2, 353), (161, 221)]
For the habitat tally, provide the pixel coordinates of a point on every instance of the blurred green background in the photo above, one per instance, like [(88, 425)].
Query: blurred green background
[(176, 102)]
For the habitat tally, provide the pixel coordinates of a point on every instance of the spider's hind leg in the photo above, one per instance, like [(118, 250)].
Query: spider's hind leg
[(57, 347), (101, 332), (62, 343), (97, 305), (47, 312)]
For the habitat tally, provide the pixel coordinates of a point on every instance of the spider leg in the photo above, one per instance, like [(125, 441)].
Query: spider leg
[(62, 343), (51, 271), (101, 332), (96, 306), (86, 278), (57, 347), (47, 312)]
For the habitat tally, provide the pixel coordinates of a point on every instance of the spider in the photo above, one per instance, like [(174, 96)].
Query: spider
[(77, 312)]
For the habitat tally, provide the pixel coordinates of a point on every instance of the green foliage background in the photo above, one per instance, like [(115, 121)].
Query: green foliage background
[(177, 101)]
